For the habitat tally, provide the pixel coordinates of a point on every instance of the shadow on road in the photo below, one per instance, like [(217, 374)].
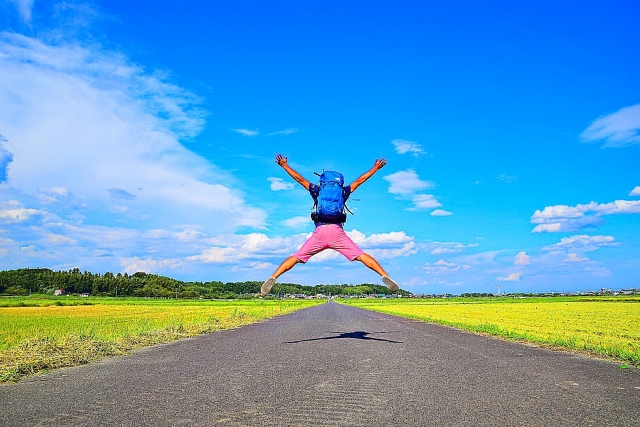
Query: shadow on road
[(359, 335)]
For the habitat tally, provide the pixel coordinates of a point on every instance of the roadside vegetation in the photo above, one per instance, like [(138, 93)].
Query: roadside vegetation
[(601, 326), (40, 333)]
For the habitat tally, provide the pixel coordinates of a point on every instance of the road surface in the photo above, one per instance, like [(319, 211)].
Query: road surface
[(332, 365)]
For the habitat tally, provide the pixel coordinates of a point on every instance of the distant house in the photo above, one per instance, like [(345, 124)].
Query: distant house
[(58, 292), (84, 294)]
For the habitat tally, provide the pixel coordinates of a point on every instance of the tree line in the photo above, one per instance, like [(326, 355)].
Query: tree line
[(28, 281)]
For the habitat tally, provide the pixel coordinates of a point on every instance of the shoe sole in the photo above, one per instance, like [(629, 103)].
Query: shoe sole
[(393, 286), (266, 286)]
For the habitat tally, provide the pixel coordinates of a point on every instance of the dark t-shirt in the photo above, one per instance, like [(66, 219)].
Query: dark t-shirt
[(314, 190)]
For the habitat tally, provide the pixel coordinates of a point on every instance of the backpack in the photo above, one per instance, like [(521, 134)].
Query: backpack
[(329, 204)]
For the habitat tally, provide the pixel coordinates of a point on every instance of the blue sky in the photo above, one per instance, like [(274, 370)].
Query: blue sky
[(141, 136)]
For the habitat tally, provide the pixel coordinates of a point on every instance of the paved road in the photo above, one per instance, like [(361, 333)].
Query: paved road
[(332, 365)]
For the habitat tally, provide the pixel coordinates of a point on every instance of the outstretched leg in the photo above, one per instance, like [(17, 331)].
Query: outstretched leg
[(371, 262), (286, 265)]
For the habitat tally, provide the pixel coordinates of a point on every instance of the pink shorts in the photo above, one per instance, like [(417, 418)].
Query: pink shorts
[(328, 236)]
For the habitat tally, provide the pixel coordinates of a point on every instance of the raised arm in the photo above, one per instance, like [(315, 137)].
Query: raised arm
[(378, 164), (282, 161)]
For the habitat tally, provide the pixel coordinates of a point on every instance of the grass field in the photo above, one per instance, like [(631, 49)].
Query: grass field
[(602, 326), (42, 333)]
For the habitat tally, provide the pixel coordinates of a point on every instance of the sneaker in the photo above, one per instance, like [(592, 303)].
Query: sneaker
[(266, 286), (393, 286)]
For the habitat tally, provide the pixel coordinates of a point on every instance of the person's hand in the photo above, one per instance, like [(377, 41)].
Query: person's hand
[(281, 161), (379, 164)]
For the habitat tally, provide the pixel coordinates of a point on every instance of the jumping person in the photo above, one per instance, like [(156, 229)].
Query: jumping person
[(329, 197)]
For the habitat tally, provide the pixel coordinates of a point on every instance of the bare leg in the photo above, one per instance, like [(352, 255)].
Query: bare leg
[(370, 262), (286, 265)]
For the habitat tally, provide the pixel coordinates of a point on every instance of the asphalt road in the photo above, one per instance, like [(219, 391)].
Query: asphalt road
[(332, 365)]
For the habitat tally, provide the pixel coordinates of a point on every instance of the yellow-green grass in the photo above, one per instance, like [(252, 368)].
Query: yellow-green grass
[(37, 334), (602, 326)]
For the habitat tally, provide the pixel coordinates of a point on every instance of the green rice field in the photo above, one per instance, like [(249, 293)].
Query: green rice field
[(600, 326), (43, 333)]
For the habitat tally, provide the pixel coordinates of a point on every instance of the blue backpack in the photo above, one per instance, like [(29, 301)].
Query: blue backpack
[(329, 204)]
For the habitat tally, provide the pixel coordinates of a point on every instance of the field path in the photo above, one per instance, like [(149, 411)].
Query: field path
[(332, 365)]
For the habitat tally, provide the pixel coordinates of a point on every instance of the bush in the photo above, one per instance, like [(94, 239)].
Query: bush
[(13, 290)]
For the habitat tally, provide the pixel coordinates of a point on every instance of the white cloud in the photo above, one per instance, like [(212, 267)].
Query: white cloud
[(247, 132), (97, 114), (389, 253), (406, 183), (438, 251), (233, 249), (278, 184), (24, 9), (404, 146), (441, 266), (558, 211), (522, 259), (582, 242), (288, 131), (218, 255), (252, 266), (449, 247), (188, 235), (512, 277), (618, 129), (59, 239), (635, 191), (555, 227), (135, 264), (379, 240), (13, 212), (617, 207), (440, 212), (297, 222), (385, 245), (424, 201), (574, 257), (573, 218), (61, 197)]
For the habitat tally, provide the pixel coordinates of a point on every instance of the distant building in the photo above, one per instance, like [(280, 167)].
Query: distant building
[(58, 292)]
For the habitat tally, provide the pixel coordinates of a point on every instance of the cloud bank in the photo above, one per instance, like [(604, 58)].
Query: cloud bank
[(559, 218), (92, 124), (91, 153)]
